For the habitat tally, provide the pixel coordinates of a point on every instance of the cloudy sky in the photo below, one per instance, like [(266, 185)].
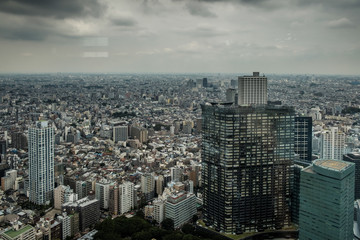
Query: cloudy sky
[(271, 36)]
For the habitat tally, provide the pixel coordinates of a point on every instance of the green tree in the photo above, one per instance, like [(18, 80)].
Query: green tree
[(188, 229), (168, 224)]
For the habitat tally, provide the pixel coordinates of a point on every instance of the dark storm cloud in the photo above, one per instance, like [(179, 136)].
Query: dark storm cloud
[(53, 8), (198, 9), (123, 21)]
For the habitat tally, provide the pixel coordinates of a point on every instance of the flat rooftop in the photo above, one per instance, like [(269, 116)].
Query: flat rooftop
[(13, 234), (332, 164)]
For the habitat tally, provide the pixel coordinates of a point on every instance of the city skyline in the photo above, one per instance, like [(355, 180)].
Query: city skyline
[(310, 37)]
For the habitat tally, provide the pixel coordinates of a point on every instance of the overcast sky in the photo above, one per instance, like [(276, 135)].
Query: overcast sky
[(270, 36)]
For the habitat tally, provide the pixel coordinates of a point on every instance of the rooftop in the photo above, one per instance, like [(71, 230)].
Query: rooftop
[(332, 164), (13, 234)]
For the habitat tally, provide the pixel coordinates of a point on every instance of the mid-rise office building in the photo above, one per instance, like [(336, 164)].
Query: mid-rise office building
[(354, 157), (63, 194), (159, 210), (247, 153), (8, 181), (180, 207), (303, 138), (25, 233), (327, 200), (19, 140), (41, 163), (332, 144), (252, 90)]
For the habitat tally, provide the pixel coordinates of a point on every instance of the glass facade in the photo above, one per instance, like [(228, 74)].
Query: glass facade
[(303, 138), (247, 153)]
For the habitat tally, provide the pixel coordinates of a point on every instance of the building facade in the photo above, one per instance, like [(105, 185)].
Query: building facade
[(327, 200), (332, 144), (41, 163), (126, 197), (303, 138), (252, 90), (354, 157), (247, 153), (180, 208)]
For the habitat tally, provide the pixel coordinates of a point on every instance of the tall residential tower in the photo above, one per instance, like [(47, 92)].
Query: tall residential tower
[(252, 90), (41, 163)]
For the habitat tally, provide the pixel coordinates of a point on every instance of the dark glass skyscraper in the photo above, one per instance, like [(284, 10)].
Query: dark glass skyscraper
[(354, 157), (303, 138), (247, 153)]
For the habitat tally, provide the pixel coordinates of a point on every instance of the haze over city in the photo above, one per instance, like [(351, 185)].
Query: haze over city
[(274, 36)]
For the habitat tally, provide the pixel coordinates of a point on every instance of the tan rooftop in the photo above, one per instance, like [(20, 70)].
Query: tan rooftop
[(332, 164)]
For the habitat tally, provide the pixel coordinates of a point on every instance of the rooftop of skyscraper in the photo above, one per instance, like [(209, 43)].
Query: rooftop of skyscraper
[(334, 165)]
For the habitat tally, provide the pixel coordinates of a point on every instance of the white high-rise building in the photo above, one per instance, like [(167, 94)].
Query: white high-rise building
[(332, 144), (252, 90), (148, 186), (126, 197), (159, 210), (41, 163)]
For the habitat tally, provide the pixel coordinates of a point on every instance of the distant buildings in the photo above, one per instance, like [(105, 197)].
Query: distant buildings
[(327, 200), (332, 144), (41, 163), (252, 90), (180, 208), (139, 133), (247, 153)]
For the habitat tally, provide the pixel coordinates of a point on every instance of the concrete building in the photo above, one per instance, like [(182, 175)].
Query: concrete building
[(41, 163), (180, 207), (126, 197), (148, 186), (159, 210), (63, 194), (327, 200), (176, 173), (25, 233), (102, 194), (139, 133), (88, 211), (120, 133), (114, 200), (252, 90), (8, 181), (159, 184), (332, 144)]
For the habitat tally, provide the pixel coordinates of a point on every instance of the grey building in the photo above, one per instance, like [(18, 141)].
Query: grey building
[(354, 157), (252, 90)]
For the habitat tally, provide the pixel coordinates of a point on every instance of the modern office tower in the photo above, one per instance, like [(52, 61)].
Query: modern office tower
[(114, 200), (148, 186), (126, 197), (327, 200), (231, 95), (102, 194), (180, 207), (159, 184), (8, 181), (88, 211), (252, 90), (139, 133), (303, 138), (25, 233), (159, 210), (63, 194), (41, 163), (120, 133), (247, 153), (332, 144), (175, 173), (295, 189), (19, 140), (354, 157)]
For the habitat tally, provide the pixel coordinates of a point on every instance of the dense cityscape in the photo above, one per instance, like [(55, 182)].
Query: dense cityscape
[(179, 156)]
